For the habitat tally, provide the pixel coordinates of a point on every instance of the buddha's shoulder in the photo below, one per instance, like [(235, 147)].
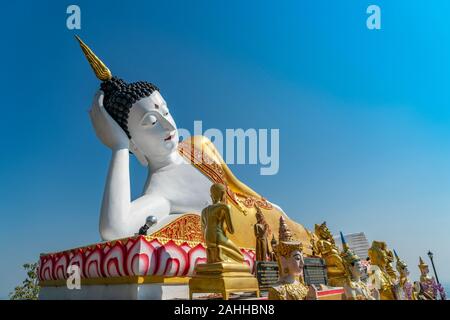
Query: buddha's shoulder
[(216, 206), (199, 141), (220, 206), (202, 144)]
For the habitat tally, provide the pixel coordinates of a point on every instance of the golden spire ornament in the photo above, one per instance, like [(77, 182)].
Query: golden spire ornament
[(422, 264), (101, 70), (286, 243)]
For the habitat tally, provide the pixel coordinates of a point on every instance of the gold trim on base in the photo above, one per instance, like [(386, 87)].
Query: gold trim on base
[(224, 278)]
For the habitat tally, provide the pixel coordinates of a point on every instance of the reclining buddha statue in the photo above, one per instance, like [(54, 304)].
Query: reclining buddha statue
[(134, 118)]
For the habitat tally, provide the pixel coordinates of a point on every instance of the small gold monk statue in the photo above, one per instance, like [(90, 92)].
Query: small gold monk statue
[(261, 233), (354, 287), (428, 286), (327, 249), (379, 265), (406, 291), (225, 271), (216, 220), (289, 255)]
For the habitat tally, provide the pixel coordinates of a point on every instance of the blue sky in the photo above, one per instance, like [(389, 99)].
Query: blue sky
[(364, 115)]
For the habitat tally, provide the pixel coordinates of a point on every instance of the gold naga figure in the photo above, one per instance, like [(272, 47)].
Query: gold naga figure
[(406, 291), (261, 231), (380, 260), (225, 271), (354, 287), (389, 268), (289, 256), (327, 249)]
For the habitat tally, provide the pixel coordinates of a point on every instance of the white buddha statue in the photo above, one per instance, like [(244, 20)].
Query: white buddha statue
[(135, 118)]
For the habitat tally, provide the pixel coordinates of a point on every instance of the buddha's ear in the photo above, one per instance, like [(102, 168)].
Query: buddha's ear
[(98, 99), (137, 152)]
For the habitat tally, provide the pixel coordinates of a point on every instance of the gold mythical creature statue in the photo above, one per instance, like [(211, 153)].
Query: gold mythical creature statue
[(261, 231), (327, 249), (428, 286), (290, 262), (225, 270), (380, 260), (389, 268), (354, 287), (406, 291)]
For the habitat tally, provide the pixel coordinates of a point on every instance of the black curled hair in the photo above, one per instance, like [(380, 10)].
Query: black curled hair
[(119, 97)]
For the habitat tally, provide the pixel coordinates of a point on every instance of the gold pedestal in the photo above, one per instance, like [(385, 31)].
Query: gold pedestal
[(224, 278)]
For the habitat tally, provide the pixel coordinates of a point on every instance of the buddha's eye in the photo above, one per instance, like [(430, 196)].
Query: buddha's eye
[(149, 120)]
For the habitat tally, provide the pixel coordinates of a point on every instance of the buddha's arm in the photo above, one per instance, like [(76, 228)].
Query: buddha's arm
[(116, 197), (204, 221), (120, 217), (228, 221)]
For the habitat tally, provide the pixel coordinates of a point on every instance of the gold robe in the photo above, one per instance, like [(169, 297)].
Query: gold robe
[(201, 153)]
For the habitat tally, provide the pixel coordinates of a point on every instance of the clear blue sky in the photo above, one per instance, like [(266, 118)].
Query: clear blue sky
[(364, 116)]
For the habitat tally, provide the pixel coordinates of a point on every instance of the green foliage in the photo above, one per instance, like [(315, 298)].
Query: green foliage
[(29, 290)]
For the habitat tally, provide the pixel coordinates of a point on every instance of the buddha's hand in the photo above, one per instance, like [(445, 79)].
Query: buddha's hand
[(106, 129)]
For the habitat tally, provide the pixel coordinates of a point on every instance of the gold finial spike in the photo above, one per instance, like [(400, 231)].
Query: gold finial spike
[(422, 264), (101, 71), (284, 234)]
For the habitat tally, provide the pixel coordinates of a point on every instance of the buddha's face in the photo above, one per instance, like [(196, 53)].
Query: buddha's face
[(357, 269), (152, 128), (294, 263)]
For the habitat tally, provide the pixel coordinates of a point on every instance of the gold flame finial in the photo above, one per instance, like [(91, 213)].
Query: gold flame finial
[(422, 264), (101, 71)]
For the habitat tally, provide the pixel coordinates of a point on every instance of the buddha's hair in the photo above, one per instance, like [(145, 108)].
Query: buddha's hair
[(119, 97)]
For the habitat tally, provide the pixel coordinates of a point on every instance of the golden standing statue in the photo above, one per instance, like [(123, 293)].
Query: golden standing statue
[(327, 249), (428, 286), (225, 271), (261, 233)]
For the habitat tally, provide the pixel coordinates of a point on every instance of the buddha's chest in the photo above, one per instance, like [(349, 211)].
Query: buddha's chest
[(183, 186)]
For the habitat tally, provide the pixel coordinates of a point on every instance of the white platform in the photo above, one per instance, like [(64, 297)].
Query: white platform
[(117, 292)]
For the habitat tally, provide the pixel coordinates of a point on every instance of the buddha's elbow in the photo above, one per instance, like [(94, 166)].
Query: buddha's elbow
[(109, 233)]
